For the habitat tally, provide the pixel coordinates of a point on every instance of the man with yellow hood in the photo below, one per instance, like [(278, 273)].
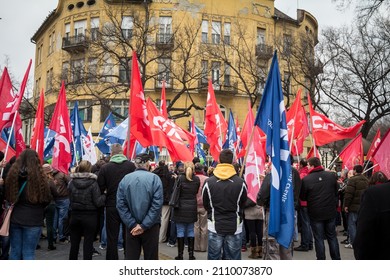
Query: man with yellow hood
[(224, 195)]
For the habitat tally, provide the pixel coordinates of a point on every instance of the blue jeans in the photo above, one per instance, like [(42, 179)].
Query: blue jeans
[(306, 234), (352, 222), (185, 230), (325, 229), (103, 234), (24, 241), (62, 208), (230, 244)]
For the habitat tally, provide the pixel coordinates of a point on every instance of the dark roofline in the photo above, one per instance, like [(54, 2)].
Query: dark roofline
[(280, 15), (43, 26)]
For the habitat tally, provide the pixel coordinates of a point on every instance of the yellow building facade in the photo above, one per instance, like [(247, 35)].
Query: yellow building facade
[(88, 44)]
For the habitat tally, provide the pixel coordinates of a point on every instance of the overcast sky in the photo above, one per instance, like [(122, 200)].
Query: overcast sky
[(21, 19)]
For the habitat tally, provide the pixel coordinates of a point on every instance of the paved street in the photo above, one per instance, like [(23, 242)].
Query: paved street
[(168, 253)]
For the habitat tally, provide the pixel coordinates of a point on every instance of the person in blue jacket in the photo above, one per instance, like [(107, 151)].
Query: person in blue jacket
[(139, 204)]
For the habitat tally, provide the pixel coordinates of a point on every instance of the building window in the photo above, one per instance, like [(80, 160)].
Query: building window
[(67, 30), (260, 37), (287, 83), (287, 44), (92, 70), (85, 109), (226, 78), (165, 25), (226, 33), (205, 31), (164, 66), (120, 107), (49, 79), (215, 73), (127, 27), (108, 69), (77, 73), (37, 85), (216, 32), (51, 42), (205, 70), (65, 72), (94, 29), (39, 55), (124, 70), (79, 27)]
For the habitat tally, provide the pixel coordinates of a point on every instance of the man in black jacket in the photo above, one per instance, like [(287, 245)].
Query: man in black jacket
[(319, 189), (108, 179), (224, 195)]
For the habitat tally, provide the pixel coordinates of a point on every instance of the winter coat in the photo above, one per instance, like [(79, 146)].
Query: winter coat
[(356, 186), (224, 195), (167, 181), (61, 180), (320, 189), (140, 199), (111, 174), (84, 192), (187, 212)]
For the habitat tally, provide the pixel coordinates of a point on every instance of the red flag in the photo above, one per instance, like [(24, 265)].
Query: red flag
[(326, 131), (215, 124), (353, 153), (7, 96), (297, 148), (140, 127), (60, 123), (10, 153), (254, 165), (382, 154), (163, 104), (311, 153), (374, 144), (20, 145), (37, 137), (247, 131), (10, 100), (294, 122), (167, 132)]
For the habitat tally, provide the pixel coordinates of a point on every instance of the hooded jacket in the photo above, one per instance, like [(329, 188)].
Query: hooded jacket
[(111, 174), (84, 192), (224, 195)]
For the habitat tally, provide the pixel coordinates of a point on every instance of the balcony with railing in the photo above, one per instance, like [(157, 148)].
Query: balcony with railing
[(159, 83), (264, 51), (164, 40), (75, 44)]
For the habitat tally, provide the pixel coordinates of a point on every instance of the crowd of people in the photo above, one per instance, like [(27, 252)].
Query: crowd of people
[(124, 205)]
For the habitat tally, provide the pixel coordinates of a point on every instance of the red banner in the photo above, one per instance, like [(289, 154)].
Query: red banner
[(353, 153)]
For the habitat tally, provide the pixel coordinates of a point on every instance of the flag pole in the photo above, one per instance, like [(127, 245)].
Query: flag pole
[(370, 168), (333, 161)]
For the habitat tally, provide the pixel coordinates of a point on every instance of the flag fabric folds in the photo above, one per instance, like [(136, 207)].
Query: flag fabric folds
[(89, 152), (352, 154), (382, 154), (231, 135), (60, 123), (140, 127), (167, 132), (215, 124), (79, 132), (271, 118), (374, 144), (37, 137), (326, 131)]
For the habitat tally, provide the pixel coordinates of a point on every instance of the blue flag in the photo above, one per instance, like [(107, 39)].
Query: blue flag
[(271, 118), (200, 134), (78, 131), (120, 131), (108, 126), (231, 135), (49, 144)]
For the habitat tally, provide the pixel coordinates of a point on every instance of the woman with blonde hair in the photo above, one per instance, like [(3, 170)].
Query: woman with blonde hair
[(186, 214), (26, 185), (85, 200)]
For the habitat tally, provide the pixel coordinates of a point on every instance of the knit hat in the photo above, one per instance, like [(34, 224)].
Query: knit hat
[(47, 168)]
